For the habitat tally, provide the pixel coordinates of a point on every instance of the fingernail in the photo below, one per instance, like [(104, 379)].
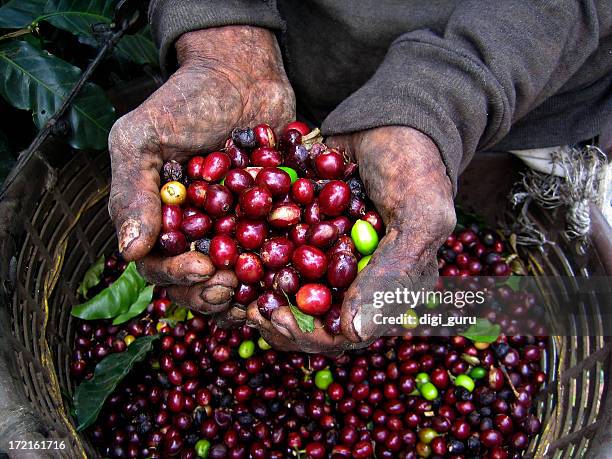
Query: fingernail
[(237, 313), (282, 330), (130, 230), (216, 294), (196, 278)]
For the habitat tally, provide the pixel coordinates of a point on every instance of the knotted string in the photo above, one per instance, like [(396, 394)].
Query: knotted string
[(579, 186)]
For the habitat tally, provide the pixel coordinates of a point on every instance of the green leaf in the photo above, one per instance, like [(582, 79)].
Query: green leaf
[(113, 300), (91, 277), (17, 14), (74, 16), (304, 321), (89, 397), (514, 282), (32, 79), (175, 315), (144, 299), (138, 48), (482, 331)]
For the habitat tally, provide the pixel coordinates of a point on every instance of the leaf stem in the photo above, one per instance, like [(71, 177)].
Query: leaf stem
[(18, 33)]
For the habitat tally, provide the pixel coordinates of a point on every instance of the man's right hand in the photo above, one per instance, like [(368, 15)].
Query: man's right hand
[(228, 77)]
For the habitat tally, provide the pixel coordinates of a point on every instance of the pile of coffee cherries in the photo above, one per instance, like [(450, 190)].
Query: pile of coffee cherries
[(206, 392), (290, 217), (473, 252)]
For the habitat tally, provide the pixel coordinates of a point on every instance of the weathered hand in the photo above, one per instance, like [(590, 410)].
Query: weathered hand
[(406, 180), (227, 77)]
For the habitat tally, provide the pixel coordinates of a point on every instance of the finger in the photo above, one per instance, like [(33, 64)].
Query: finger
[(393, 265), (184, 269), (341, 142), (208, 297), (233, 317), (319, 340), (267, 330), (346, 143), (134, 203)]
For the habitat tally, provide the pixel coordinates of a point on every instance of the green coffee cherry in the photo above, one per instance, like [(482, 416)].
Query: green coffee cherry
[(427, 434), (478, 373), (415, 319), (202, 447), (246, 349), (421, 378), (363, 262), (263, 344), (365, 237), (323, 378), (428, 391), (292, 173), (464, 381)]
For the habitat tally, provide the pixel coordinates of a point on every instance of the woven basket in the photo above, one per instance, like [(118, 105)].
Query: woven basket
[(54, 224)]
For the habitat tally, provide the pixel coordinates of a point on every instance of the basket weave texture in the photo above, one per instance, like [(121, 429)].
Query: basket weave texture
[(54, 224)]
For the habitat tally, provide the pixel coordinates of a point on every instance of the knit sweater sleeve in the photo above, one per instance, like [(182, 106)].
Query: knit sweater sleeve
[(171, 18), (494, 63)]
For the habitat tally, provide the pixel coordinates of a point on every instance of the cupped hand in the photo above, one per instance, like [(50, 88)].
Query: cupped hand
[(406, 180), (227, 77)]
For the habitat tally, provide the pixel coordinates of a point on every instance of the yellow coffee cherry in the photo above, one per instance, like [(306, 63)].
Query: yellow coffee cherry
[(173, 193)]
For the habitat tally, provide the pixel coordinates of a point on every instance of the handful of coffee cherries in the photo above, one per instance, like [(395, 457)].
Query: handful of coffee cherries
[(289, 216)]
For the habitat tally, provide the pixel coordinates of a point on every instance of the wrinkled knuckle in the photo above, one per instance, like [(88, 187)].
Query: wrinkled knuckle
[(252, 315)]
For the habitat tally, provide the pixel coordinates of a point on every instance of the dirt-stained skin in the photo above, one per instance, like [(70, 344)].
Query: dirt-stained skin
[(405, 178), (227, 77), (233, 76)]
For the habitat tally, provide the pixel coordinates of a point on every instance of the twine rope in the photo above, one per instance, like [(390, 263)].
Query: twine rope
[(578, 187)]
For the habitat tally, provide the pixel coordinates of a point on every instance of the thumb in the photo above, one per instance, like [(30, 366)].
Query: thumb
[(134, 204), (391, 267)]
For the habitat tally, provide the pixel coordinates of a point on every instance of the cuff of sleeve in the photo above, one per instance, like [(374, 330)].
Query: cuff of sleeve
[(436, 90), (170, 19)]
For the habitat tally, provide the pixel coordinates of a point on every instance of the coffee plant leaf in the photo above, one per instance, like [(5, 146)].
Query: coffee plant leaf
[(137, 307), (34, 79), (138, 48), (304, 321), (113, 300), (90, 395), (74, 16), (482, 331), (92, 277)]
